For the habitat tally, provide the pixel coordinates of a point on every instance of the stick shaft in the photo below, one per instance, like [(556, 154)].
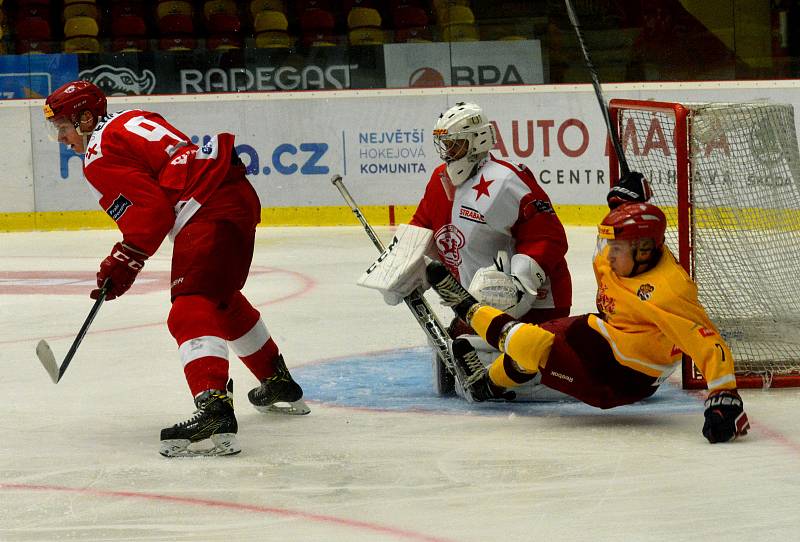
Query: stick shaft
[(598, 91), (419, 307), (82, 332)]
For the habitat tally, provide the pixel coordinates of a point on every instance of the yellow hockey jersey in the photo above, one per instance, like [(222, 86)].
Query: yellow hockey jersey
[(650, 318)]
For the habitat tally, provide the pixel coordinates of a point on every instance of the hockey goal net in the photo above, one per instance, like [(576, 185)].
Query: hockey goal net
[(727, 175)]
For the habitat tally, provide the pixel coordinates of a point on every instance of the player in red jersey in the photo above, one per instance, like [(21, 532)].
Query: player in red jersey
[(154, 182)]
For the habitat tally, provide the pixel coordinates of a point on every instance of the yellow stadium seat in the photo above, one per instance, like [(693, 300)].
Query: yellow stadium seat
[(359, 17), (456, 15), (68, 2), (82, 44), (228, 7), (174, 7), (257, 6), (270, 20), (80, 26), (367, 35), (273, 39), (460, 32)]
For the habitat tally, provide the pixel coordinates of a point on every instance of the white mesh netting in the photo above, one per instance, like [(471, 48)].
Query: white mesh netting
[(744, 170)]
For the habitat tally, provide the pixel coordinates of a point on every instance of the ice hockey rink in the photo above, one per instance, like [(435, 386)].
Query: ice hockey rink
[(380, 457)]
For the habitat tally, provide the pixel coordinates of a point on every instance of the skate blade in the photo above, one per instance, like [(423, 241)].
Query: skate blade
[(224, 444), (295, 408)]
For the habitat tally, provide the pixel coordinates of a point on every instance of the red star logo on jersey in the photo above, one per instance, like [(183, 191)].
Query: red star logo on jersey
[(482, 188)]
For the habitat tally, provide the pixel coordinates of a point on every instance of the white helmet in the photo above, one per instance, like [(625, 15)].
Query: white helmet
[(464, 122)]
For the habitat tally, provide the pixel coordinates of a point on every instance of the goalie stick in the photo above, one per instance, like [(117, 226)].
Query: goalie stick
[(598, 91), (45, 353), (419, 307)]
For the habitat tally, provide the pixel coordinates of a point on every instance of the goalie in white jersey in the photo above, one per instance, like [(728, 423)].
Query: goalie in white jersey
[(490, 223)]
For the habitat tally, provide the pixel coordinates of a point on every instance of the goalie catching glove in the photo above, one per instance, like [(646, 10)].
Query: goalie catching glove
[(725, 417), (400, 269), (631, 187), (120, 268), (503, 285)]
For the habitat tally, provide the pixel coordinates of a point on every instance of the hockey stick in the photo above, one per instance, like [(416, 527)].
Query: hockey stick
[(612, 132), (45, 353), (419, 307)]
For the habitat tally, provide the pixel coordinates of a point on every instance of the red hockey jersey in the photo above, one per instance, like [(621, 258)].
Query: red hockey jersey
[(149, 177), (501, 207)]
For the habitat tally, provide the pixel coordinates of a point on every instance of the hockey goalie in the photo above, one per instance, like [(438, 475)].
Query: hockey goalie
[(493, 227)]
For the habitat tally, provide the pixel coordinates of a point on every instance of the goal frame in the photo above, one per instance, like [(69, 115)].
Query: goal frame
[(691, 376)]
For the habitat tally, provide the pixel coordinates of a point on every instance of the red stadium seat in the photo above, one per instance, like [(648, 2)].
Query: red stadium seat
[(33, 29), (317, 20), (176, 25), (223, 23), (128, 26), (409, 17)]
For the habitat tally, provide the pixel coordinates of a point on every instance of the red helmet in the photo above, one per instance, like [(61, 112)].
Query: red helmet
[(634, 221), (70, 100)]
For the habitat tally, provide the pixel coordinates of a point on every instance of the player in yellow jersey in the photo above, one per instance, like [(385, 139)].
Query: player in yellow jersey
[(648, 315)]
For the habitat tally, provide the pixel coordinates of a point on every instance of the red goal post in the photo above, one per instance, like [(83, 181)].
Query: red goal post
[(728, 178)]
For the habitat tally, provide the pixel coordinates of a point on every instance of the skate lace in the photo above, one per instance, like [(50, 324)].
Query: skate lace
[(475, 367), (201, 410), (451, 292)]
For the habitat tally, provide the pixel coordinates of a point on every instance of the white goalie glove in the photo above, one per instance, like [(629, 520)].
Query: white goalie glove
[(400, 269), (504, 285)]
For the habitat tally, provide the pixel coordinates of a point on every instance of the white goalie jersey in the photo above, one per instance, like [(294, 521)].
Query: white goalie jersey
[(499, 209)]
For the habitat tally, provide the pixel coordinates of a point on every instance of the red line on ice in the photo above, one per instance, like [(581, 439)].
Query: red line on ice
[(239, 507)]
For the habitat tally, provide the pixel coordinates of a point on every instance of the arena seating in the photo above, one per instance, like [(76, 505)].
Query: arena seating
[(86, 26)]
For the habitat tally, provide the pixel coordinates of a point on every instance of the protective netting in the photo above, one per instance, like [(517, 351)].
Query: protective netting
[(743, 175)]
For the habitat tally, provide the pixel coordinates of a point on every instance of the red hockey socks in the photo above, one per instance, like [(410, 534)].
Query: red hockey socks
[(204, 353), (249, 337)]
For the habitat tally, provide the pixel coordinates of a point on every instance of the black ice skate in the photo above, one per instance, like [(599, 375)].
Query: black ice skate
[(213, 419), (452, 293), (279, 393), (477, 385)]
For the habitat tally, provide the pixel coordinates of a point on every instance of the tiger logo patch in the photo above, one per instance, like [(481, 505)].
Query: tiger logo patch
[(645, 292)]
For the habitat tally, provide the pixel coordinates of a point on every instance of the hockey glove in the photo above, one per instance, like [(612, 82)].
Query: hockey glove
[(631, 187), (120, 268), (725, 417)]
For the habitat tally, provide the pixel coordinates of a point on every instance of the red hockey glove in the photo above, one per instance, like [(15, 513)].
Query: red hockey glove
[(120, 268), (725, 417), (631, 187)]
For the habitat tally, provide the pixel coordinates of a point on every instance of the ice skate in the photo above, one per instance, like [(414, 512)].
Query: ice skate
[(452, 293), (477, 385), (279, 393), (213, 420)]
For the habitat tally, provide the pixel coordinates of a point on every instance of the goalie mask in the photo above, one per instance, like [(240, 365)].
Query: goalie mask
[(66, 104), (463, 138), (634, 233)]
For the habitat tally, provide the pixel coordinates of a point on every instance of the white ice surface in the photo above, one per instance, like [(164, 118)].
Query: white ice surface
[(79, 461)]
